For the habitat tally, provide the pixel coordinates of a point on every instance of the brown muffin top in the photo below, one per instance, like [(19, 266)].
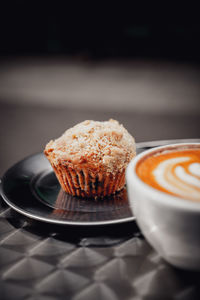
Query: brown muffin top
[(106, 145)]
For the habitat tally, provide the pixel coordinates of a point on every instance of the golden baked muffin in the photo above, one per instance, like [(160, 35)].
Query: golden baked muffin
[(90, 158)]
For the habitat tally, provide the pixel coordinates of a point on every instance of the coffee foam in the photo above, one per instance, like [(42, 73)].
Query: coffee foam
[(195, 169), (175, 178), (176, 172)]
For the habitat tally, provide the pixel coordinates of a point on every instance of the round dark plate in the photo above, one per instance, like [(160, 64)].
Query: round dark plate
[(31, 188)]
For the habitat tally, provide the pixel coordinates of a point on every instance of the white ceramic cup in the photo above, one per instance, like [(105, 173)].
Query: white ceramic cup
[(170, 224)]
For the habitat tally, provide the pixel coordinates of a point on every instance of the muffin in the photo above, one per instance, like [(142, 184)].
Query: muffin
[(90, 158)]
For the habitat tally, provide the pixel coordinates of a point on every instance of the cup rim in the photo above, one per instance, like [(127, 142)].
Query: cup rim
[(157, 195)]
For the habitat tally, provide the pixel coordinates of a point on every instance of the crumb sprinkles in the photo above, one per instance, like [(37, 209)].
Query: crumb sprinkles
[(103, 144)]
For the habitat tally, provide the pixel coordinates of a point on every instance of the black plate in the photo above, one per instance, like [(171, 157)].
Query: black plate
[(31, 188)]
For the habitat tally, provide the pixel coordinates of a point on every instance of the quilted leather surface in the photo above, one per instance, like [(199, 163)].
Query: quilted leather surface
[(41, 261)]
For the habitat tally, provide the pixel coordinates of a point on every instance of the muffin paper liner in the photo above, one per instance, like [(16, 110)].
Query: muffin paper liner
[(85, 184)]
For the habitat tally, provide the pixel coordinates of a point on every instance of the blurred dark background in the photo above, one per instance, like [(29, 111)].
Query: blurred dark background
[(61, 63), (99, 31)]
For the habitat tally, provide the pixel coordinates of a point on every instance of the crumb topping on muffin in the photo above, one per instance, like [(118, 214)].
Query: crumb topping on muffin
[(106, 145)]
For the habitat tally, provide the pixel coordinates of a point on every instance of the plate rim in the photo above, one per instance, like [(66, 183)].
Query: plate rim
[(62, 222), (25, 213)]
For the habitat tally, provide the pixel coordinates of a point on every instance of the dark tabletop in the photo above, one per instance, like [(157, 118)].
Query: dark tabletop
[(42, 261)]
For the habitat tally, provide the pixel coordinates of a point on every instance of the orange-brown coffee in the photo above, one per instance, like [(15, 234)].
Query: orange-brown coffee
[(174, 171)]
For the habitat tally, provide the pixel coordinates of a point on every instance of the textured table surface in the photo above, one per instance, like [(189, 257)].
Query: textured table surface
[(39, 261)]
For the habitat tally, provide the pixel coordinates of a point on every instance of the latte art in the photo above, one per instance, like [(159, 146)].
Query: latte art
[(178, 179), (175, 172)]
